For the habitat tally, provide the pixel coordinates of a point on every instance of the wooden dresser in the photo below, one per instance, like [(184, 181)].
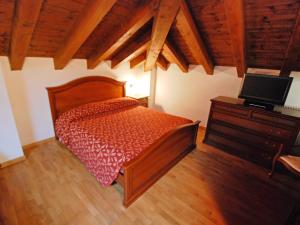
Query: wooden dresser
[(250, 133)]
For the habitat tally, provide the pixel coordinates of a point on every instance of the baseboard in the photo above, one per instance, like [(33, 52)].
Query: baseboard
[(36, 144), (13, 161), (26, 148)]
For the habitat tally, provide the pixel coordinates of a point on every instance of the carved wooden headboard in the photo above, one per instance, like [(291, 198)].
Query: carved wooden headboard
[(81, 91)]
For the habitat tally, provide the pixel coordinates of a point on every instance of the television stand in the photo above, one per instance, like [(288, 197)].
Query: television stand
[(251, 133), (266, 106)]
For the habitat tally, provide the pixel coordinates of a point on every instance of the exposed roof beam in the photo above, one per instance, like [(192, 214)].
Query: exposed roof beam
[(176, 56), (234, 10), (293, 51), (188, 29), (138, 60), (27, 14), (131, 50), (167, 11), (140, 17), (162, 62), (91, 16)]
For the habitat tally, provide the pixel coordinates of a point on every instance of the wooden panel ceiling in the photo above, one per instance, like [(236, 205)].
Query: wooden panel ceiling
[(181, 43), (120, 13), (211, 20), (55, 22), (133, 47), (6, 18), (269, 27)]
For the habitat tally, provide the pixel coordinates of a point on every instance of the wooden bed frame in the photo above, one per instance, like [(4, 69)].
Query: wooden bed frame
[(142, 172)]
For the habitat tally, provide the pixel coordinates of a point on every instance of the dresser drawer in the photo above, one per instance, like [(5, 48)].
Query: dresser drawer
[(263, 158), (250, 139), (273, 119), (253, 125), (231, 110)]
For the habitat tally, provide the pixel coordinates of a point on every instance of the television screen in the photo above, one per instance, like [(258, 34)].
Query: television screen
[(266, 88)]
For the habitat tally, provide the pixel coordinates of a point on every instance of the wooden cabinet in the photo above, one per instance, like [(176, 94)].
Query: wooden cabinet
[(250, 133)]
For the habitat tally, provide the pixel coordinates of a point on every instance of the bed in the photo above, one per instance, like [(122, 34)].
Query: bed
[(115, 138)]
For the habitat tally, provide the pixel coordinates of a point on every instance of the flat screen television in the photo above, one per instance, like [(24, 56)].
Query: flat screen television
[(265, 90)]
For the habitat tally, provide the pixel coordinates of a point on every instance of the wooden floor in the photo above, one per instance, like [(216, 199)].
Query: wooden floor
[(207, 187)]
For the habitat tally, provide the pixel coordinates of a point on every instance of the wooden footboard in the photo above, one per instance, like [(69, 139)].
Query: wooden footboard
[(144, 171)]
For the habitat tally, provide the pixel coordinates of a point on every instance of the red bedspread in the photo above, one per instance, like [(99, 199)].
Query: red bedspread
[(104, 135)]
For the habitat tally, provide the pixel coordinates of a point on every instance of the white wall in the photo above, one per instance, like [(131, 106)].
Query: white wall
[(293, 98), (189, 94), (28, 96), (10, 146)]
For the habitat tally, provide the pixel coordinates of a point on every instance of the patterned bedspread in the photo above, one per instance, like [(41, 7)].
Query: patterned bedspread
[(104, 135)]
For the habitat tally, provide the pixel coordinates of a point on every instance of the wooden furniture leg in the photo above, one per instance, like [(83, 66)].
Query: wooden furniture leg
[(275, 160)]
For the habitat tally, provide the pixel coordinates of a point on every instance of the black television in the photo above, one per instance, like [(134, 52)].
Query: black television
[(265, 90)]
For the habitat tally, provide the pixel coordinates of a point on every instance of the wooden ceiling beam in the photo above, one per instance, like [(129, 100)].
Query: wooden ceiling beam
[(92, 15), (234, 10), (138, 60), (162, 62), (188, 29), (131, 50), (176, 55), (293, 51), (163, 20), (140, 17), (26, 17)]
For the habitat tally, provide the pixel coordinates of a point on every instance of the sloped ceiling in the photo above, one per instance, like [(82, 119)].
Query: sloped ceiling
[(241, 33)]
